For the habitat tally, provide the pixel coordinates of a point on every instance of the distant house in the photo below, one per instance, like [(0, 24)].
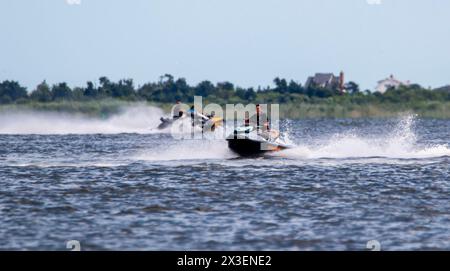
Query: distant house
[(326, 80), (444, 89), (390, 82)]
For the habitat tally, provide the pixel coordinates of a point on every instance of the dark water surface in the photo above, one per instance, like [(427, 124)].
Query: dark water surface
[(347, 182)]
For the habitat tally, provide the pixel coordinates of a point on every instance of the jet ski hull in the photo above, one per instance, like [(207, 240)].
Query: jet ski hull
[(165, 123), (245, 146)]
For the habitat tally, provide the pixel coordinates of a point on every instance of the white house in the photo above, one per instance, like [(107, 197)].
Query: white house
[(390, 82)]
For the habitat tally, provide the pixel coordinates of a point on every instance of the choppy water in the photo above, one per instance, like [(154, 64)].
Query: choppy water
[(347, 182)]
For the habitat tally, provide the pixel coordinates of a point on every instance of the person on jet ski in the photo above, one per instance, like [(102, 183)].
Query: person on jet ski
[(259, 120), (196, 117), (177, 111), (192, 113)]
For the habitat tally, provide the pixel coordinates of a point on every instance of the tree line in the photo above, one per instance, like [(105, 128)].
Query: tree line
[(169, 89)]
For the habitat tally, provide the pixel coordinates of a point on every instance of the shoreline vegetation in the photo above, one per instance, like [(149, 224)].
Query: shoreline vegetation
[(296, 102)]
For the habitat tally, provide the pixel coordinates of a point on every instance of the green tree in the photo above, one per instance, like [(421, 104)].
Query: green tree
[(91, 91), (11, 91), (204, 89), (78, 93), (124, 89), (42, 93), (183, 90), (147, 91), (61, 92), (105, 87), (352, 87), (250, 95), (281, 85), (295, 87), (225, 90)]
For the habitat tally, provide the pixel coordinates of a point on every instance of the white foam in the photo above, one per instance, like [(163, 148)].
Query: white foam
[(400, 143), (132, 119), (188, 150)]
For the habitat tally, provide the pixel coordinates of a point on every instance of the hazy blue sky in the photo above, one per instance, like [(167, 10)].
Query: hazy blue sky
[(248, 42)]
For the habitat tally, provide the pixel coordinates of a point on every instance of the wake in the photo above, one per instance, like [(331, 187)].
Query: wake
[(401, 143), (139, 119)]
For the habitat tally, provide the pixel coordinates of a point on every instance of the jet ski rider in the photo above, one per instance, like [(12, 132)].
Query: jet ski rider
[(177, 111), (259, 121), (193, 113)]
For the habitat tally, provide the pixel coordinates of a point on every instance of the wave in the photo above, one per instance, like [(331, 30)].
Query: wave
[(401, 143), (188, 150), (132, 119), (398, 143)]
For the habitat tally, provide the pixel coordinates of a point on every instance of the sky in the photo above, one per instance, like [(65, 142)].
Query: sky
[(247, 42)]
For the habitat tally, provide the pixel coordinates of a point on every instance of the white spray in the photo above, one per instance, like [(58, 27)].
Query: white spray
[(132, 119), (400, 143)]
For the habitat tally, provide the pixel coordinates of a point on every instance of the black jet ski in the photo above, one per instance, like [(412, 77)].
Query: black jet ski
[(246, 141), (165, 123)]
